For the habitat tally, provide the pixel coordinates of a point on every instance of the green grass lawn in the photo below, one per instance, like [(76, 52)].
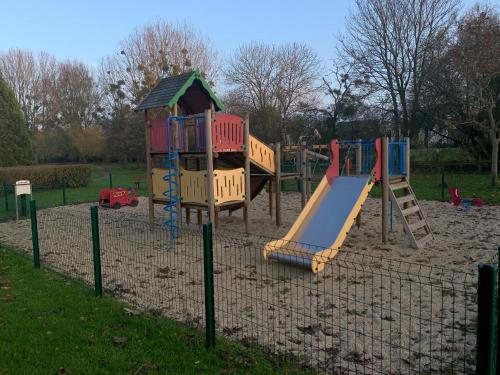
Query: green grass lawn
[(121, 177), (53, 325), (427, 186)]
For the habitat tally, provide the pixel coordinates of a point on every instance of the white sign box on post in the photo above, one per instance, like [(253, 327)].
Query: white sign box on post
[(22, 187)]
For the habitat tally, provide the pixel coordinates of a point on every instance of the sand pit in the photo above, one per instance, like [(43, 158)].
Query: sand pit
[(377, 308)]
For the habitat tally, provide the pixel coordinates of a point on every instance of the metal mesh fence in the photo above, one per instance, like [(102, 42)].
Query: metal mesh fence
[(361, 314)]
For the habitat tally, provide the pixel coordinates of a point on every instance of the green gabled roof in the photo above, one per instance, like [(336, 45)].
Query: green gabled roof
[(169, 91)]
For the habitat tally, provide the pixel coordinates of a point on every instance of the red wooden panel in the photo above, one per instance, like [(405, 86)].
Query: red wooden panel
[(158, 132), (227, 132)]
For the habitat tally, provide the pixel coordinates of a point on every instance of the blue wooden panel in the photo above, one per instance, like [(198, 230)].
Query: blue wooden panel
[(324, 224)]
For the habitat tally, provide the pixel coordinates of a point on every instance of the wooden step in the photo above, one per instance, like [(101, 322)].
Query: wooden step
[(419, 224), (410, 210), (405, 199), (422, 241), (400, 185)]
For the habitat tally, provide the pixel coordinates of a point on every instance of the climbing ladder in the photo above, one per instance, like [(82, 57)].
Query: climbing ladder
[(409, 210), (172, 194)]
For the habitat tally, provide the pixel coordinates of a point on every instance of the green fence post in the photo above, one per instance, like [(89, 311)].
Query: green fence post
[(34, 235), (209, 285), (486, 320), (442, 184), (23, 205), (63, 186), (96, 247), (498, 309), (110, 180), (6, 196)]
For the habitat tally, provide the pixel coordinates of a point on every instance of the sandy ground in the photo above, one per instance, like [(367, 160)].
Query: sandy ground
[(377, 308)]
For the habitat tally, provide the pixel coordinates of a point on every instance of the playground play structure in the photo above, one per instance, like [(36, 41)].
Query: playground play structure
[(199, 158)]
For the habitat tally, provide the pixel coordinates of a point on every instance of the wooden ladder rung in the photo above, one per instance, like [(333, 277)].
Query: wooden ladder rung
[(405, 199), (410, 210), (419, 224), (422, 241), (400, 185)]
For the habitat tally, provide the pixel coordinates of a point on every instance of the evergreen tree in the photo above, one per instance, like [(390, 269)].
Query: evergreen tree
[(15, 142)]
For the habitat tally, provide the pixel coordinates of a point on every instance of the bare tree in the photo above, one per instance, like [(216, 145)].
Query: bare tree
[(155, 51), (394, 41), (273, 78), (345, 90), (474, 61), (76, 95), (20, 70)]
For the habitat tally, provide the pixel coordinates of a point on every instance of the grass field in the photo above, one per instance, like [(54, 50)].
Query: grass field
[(53, 325), (427, 186)]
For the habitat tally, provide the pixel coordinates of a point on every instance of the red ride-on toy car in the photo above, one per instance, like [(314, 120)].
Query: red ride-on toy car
[(118, 197)]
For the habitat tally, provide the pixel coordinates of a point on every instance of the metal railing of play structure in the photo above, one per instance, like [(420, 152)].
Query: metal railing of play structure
[(363, 314)]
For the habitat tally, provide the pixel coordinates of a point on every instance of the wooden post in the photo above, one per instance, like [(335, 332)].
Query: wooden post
[(359, 169), (277, 182), (210, 166), (270, 191), (149, 170), (308, 177), (199, 214), (303, 173), (385, 189), (407, 158), (248, 195), (298, 165), (359, 156)]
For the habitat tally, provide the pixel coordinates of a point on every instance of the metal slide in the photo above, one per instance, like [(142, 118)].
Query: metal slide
[(322, 226)]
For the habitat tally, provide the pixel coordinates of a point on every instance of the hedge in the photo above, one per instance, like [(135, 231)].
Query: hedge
[(48, 176)]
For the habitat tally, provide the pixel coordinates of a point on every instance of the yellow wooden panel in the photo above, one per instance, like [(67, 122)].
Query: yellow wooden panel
[(159, 184), (229, 185), (194, 187), (262, 155)]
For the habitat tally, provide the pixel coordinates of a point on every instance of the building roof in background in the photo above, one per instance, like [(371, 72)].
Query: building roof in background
[(171, 89)]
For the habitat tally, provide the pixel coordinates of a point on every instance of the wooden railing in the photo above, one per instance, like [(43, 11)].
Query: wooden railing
[(227, 133), (159, 184), (262, 155), (229, 185), (194, 187)]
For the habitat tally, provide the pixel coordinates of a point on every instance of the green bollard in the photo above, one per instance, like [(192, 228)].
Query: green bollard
[(96, 250), (110, 180), (34, 235), (6, 196), (63, 187), (442, 184), (487, 320), (23, 206), (209, 285)]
